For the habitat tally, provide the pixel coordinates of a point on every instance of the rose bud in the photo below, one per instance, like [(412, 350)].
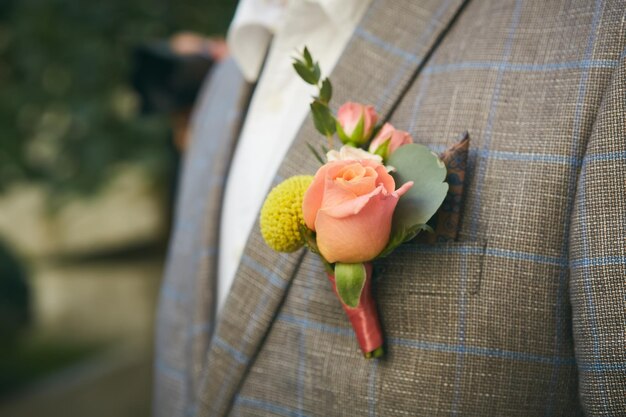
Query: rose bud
[(355, 123), (388, 140), (350, 205)]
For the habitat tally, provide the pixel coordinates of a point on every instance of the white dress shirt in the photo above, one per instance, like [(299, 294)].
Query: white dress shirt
[(279, 104)]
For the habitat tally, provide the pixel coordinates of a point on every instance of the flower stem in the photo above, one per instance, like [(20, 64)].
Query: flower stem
[(331, 144), (376, 353), (364, 318)]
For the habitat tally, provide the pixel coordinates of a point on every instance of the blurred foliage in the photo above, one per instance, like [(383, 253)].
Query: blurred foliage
[(34, 358), (14, 297), (68, 115)]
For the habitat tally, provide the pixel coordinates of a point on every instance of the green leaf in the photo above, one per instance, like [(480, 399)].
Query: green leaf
[(300, 62), (311, 243), (398, 237), (322, 118), (383, 150), (356, 138), (357, 134), (308, 59), (350, 280), (309, 238), (418, 164), (315, 153), (317, 72), (342, 135), (305, 73), (326, 91)]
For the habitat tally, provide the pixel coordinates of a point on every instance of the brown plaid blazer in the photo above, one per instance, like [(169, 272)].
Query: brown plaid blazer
[(523, 315)]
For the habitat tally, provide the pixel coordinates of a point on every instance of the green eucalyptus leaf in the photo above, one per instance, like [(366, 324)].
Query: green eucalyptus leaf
[(326, 91), (419, 164), (322, 118), (305, 73), (350, 280)]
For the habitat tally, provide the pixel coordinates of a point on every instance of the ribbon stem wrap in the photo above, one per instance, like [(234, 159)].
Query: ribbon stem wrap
[(364, 317)]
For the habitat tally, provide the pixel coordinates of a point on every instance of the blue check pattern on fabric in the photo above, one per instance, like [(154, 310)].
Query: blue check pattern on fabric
[(485, 153), (482, 154)]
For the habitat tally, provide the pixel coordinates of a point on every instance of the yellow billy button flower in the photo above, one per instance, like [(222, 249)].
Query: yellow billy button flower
[(281, 214)]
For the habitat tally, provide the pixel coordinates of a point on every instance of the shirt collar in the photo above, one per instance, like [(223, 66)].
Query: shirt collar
[(257, 21), (251, 31)]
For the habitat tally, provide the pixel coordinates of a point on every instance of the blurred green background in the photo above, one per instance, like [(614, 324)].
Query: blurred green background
[(67, 113), (84, 189)]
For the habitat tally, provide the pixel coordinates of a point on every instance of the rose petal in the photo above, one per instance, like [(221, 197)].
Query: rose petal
[(360, 237), (351, 206)]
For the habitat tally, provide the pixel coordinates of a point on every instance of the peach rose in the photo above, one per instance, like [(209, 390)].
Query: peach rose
[(350, 205), (349, 116), (395, 137)]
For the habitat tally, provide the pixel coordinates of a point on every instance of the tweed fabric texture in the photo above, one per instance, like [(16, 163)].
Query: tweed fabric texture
[(529, 298), (598, 258), (264, 276), (187, 299)]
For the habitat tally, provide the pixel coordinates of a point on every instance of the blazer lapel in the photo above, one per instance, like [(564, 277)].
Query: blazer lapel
[(186, 305), (382, 58)]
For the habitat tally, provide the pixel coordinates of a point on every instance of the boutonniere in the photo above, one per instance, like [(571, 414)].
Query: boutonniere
[(373, 194)]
